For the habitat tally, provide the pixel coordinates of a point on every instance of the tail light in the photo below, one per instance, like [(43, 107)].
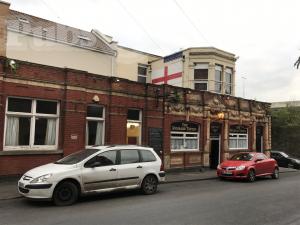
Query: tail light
[(161, 167)]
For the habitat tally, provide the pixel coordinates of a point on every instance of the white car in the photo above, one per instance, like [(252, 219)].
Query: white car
[(98, 169)]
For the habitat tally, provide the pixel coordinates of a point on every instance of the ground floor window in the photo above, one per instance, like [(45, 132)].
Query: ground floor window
[(238, 137), (94, 125), (31, 124), (184, 136), (134, 126)]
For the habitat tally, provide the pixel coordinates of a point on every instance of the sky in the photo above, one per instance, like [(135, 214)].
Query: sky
[(263, 34)]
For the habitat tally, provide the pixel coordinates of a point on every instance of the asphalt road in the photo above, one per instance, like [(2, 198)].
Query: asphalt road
[(210, 202)]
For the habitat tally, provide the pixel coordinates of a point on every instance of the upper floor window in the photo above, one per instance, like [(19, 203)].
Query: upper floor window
[(31, 124), (94, 134), (201, 77), (142, 73), (228, 81), (218, 78)]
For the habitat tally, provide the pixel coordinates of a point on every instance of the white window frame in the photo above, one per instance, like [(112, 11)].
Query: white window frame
[(220, 69), (142, 75), (184, 137), (136, 121), (98, 119), (228, 71), (238, 138), (201, 81), (33, 115)]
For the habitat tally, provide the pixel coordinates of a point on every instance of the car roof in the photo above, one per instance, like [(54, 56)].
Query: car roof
[(110, 147)]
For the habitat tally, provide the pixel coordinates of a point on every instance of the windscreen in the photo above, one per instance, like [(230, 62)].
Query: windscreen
[(76, 157), (242, 157)]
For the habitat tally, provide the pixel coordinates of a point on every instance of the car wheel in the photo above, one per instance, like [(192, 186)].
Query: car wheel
[(149, 185), (66, 193), (251, 176), (275, 174)]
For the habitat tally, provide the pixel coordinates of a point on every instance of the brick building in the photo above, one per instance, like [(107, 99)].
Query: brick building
[(48, 112)]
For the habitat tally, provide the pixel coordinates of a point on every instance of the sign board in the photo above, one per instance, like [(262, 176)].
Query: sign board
[(156, 139), (184, 127), (215, 130), (238, 129)]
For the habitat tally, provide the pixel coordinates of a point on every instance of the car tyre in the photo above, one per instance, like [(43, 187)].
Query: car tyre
[(66, 193), (149, 185), (275, 174), (251, 175)]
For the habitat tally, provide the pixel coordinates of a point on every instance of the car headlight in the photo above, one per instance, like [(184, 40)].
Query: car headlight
[(41, 179), (240, 168)]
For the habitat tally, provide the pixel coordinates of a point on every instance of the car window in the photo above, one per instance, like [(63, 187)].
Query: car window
[(242, 157), (76, 157), (147, 156), (129, 156), (104, 159), (261, 156)]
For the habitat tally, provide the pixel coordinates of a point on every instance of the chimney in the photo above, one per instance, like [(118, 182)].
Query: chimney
[(4, 11)]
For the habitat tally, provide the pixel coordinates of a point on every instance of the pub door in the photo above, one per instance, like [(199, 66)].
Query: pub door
[(215, 144), (214, 153), (259, 139)]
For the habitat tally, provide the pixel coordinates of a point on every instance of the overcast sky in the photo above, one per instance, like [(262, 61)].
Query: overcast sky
[(265, 34)]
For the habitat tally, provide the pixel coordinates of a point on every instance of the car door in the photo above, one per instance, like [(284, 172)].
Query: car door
[(261, 164), (130, 169), (100, 172)]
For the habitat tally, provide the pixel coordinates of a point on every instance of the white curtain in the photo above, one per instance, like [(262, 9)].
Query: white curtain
[(12, 131), (191, 143), (50, 132), (99, 134), (177, 144)]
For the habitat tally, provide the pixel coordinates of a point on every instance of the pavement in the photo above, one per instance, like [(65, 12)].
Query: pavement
[(8, 184)]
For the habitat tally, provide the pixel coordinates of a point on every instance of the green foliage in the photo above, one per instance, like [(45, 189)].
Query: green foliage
[(286, 130)]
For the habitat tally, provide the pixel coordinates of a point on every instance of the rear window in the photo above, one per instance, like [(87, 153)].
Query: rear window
[(147, 156)]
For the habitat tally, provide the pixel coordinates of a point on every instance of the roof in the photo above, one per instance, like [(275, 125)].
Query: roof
[(139, 51), (49, 30)]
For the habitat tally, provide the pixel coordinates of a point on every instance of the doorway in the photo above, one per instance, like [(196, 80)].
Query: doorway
[(215, 144), (259, 139), (214, 153)]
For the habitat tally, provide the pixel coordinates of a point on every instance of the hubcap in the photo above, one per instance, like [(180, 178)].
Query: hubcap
[(150, 184), (65, 194)]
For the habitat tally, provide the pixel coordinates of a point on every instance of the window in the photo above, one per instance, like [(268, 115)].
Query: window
[(129, 156), (201, 77), (103, 159), (94, 125), (184, 141), (228, 81), (134, 124), (31, 124), (218, 78), (147, 156), (142, 73), (238, 141)]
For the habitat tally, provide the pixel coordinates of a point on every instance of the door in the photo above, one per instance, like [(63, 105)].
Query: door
[(100, 172), (130, 169), (214, 153), (259, 139)]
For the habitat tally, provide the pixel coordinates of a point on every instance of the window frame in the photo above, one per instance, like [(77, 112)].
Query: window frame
[(219, 83), (140, 122), (98, 119), (228, 84), (32, 115), (142, 75), (238, 138), (184, 137), (201, 66)]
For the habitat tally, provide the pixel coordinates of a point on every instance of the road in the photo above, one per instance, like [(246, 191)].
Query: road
[(210, 202)]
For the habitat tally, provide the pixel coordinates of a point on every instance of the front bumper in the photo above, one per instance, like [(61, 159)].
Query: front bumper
[(162, 176), (232, 174), (35, 191)]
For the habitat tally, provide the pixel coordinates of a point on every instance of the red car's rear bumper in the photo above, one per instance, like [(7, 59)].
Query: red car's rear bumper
[(232, 174)]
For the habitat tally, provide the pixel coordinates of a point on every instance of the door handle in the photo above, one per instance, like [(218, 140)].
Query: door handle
[(139, 166), (113, 169)]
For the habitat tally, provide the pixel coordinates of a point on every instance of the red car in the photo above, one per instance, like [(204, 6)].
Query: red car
[(248, 165)]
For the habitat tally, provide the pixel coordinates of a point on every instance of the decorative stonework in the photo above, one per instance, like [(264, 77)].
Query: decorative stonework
[(196, 111)]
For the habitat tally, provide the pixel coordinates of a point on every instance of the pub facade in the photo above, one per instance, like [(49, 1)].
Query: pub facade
[(49, 112)]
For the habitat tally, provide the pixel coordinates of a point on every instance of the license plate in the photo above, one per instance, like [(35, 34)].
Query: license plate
[(226, 172), (21, 185)]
